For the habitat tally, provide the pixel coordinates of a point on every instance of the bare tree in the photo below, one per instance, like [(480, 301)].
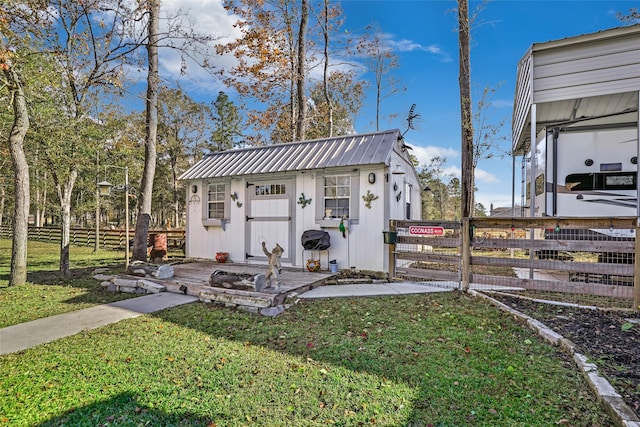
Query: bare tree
[(633, 17), (381, 60), (487, 134), (301, 71), (325, 71)]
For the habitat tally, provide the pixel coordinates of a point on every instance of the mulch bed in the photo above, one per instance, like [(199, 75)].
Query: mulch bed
[(610, 339)]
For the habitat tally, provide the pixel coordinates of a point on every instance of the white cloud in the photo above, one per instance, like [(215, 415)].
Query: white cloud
[(502, 103), (486, 177), (425, 154), (207, 18), (405, 45)]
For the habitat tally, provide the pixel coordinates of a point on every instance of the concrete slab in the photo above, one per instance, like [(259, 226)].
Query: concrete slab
[(26, 335), (378, 289)]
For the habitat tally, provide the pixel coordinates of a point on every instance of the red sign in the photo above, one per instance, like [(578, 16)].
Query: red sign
[(429, 231)]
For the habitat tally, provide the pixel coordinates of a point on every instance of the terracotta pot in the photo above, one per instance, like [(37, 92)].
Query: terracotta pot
[(222, 257)]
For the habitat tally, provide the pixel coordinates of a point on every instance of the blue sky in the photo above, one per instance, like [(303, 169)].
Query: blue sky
[(423, 34)]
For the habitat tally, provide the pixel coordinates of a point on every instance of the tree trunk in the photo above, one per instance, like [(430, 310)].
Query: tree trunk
[(64, 195), (466, 182), (18, 269), (36, 185), (3, 197), (176, 196), (43, 211), (325, 74), (146, 186), (302, 52)]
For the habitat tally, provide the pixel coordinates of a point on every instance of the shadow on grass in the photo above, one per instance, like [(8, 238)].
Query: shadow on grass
[(421, 345), (123, 409), (42, 273)]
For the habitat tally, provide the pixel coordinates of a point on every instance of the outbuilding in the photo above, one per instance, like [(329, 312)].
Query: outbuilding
[(576, 124), (347, 186)]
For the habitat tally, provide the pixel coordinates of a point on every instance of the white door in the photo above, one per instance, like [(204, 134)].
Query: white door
[(269, 218)]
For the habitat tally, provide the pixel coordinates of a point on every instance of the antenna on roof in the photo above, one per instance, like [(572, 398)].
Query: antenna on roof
[(410, 117)]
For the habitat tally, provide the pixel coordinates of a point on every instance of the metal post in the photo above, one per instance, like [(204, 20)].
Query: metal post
[(126, 213), (533, 145), (96, 245), (392, 252), (636, 270), (97, 240), (636, 273)]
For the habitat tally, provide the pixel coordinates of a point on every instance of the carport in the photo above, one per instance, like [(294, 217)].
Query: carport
[(587, 83)]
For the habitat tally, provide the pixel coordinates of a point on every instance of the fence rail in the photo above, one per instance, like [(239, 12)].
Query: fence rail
[(593, 259), (108, 239)]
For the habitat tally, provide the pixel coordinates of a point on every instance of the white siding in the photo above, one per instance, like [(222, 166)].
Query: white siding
[(592, 68), (523, 97), (556, 74)]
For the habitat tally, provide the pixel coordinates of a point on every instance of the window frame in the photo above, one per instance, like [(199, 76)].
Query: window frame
[(408, 190), (225, 191), (336, 197), (354, 205)]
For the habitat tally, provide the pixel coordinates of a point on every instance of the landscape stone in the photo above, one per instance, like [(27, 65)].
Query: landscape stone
[(103, 276), (125, 283), (150, 286), (164, 271), (260, 282), (272, 311)]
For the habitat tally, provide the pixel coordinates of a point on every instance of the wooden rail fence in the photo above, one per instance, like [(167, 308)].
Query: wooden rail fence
[(108, 239), (589, 256)]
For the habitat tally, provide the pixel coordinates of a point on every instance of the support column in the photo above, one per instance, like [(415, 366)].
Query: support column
[(636, 272), (532, 181)]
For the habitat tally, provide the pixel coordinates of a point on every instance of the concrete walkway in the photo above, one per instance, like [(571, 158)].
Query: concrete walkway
[(29, 334), (369, 290)]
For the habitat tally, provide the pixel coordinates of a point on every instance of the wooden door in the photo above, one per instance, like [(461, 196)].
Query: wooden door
[(269, 218)]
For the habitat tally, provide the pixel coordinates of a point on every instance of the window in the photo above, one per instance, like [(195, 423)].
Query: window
[(337, 196), (215, 200), (540, 184), (601, 181), (407, 198), (271, 189)]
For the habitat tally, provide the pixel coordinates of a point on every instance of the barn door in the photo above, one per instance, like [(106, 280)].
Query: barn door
[(269, 218)]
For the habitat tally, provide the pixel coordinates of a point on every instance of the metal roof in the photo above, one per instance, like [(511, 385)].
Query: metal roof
[(348, 150), (573, 88)]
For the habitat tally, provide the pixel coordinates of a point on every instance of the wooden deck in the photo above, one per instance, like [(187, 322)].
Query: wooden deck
[(195, 276)]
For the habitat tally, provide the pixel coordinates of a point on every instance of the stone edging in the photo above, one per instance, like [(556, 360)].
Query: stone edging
[(606, 394)]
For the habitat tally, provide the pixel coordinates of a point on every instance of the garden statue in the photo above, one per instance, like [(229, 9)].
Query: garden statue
[(273, 272)]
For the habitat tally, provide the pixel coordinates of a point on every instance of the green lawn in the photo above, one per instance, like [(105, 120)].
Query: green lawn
[(47, 293), (436, 359)]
